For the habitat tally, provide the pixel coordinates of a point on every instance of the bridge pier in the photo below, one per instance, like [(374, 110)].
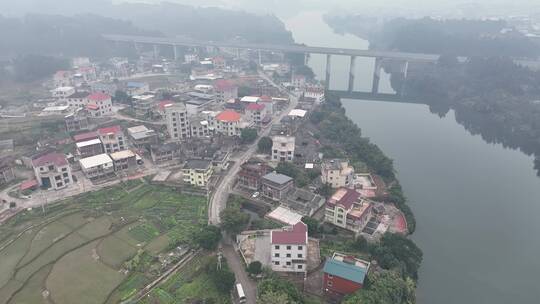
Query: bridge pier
[(260, 57), (328, 69), (306, 59), (175, 51), (376, 76), (156, 51), (351, 73), (137, 49)]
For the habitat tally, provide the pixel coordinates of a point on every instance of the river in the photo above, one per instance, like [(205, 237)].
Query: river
[(476, 204)]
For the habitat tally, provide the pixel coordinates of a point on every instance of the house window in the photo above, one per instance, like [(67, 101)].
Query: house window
[(330, 283), (276, 247), (300, 266), (300, 255), (276, 263), (300, 247), (288, 255), (276, 255), (288, 263), (330, 276), (288, 247)]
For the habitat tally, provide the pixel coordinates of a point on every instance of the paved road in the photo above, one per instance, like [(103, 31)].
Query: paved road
[(219, 198), (237, 266)]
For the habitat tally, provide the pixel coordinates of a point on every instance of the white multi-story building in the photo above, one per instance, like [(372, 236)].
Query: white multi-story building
[(78, 99), (256, 113), (97, 166), (62, 93), (228, 123), (337, 173), (289, 248), (52, 171), (100, 104), (176, 116), (113, 139), (225, 90), (283, 148)]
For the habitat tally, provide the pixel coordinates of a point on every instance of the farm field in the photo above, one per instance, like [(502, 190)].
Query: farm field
[(99, 247)]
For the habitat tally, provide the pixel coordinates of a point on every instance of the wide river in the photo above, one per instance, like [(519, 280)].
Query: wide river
[(477, 205)]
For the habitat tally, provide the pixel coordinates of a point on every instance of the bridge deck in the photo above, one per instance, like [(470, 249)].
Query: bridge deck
[(275, 48)]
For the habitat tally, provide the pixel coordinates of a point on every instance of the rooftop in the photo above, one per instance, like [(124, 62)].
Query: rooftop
[(85, 136), (138, 129), (198, 164), (122, 155), (297, 113), (94, 161), (98, 96), (90, 142), (223, 84), (284, 215), (295, 235), (345, 197), (347, 267), (57, 159), (250, 99), (255, 107), (277, 178), (229, 116), (81, 94), (110, 130)]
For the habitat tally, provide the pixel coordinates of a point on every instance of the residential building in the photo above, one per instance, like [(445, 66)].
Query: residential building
[(256, 112), (77, 121), (78, 99), (85, 136), (177, 121), (314, 94), (228, 123), (225, 90), (298, 81), (199, 126), (165, 152), (337, 173), (62, 79), (344, 275), (6, 171), (113, 139), (134, 88), (219, 63), (100, 104), (97, 166), (275, 186), (124, 161), (141, 136), (89, 147), (346, 209), (288, 249), (283, 148), (251, 173), (250, 99), (143, 104), (197, 172), (52, 171), (160, 107), (62, 93)]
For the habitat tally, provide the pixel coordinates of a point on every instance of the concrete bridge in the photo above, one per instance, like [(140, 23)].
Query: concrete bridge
[(380, 56)]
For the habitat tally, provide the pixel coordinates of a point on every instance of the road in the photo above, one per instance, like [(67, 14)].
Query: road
[(236, 265), (220, 195)]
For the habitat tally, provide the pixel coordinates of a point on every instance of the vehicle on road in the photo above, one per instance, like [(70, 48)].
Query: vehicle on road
[(241, 296), (255, 195)]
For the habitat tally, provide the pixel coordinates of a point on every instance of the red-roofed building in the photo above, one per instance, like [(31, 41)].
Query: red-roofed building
[(289, 248), (85, 136), (346, 209), (99, 104), (225, 90), (113, 139), (256, 112), (52, 170), (228, 123)]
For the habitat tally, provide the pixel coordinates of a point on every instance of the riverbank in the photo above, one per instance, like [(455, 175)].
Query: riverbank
[(396, 254)]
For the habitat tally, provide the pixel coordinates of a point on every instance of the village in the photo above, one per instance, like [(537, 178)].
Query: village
[(228, 126)]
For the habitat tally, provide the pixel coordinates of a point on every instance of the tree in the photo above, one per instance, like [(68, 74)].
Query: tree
[(395, 251), (385, 288), (224, 280), (265, 145), (255, 268), (288, 169), (207, 237), (248, 135), (233, 220), (326, 190), (274, 297), (279, 286), (312, 224)]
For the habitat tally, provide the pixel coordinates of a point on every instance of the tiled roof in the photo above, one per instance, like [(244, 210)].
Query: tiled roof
[(92, 106), (345, 197), (57, 159), (255, 107), (98, 96), (223, 84), (277, 178), (228, 116), (346, 271), (81, 94), (85, 136), (114, 130), (295, 236)]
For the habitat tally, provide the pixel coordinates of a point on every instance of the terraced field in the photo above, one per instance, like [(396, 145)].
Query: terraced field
[(100, 247)]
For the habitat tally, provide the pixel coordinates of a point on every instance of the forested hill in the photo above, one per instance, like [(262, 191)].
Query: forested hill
[(59, 35), (457, 37)]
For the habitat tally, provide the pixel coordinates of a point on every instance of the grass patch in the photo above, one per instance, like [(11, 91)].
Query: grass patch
[(67, 285), (144, 232), (158, 245), (128, 288), (32, 290), (12, 254), (114, 252), (45, 237)]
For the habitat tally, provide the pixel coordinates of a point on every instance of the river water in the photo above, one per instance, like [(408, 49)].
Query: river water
[(477, 205)]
